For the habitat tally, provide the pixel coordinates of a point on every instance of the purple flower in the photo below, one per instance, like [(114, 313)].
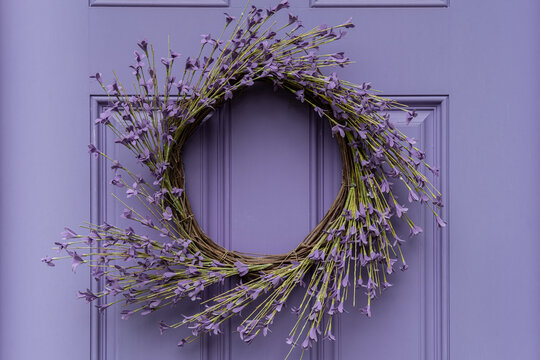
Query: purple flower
[(433, 170), (116, 165), (397, 240), (167, 214), (97, 76), (292, 19), (145, 157), (284, 4), (147, 222), (410, 115), (316, 307), (113, 88), (413, 196), (61, 246), (438, 201), (129, 231), (132, 191), (48, 260), (319, 111), (205, 38), (366, 310), (247, 81), (440, 222), (93, 150), (181, 343), (313, 334), (238, 309), (77, 260), (117, 180), (330, 336), (192, 64), (106, 226), (102, 308), (127, 214), (317, 255), (338, 128), (166, 62), (143, 44), (385, 186), (415, 230), (177, 192), (104, 117), (68, 234), (88, 295), (163, 327), (229, 18), (400, 210), (300, 95), (242, 268), (163, 232), (349, 24), (126, 314), (374, 229), (306, 343)]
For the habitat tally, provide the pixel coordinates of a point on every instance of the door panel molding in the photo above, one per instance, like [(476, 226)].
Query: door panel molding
[(161, 3), (215, 157), (98, 214), (429, 272), (435, 271), (379, 3)]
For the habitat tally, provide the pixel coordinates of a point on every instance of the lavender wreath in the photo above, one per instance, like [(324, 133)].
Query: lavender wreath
[(355, 244)]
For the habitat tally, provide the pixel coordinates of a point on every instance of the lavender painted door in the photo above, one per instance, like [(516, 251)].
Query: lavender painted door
[(470, 70)]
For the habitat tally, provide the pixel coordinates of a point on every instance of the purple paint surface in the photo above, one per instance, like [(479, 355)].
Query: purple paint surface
[(470, 70)]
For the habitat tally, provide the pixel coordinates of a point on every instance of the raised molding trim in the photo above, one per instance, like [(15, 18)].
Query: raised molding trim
[(221, 136), (379, 3), (435, 318), (435, 343), (98, 214), (224, 180), (161, 3), (217, 347)]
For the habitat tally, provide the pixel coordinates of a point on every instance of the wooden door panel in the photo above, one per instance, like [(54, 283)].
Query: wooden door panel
[(469, 67), (263, 171)]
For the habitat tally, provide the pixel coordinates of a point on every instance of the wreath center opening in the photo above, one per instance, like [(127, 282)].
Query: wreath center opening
[(261, 173)]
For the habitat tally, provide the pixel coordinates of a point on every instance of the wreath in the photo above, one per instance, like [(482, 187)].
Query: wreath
[(354, 246)]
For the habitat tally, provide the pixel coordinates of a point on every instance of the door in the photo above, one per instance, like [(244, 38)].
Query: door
[(468, 68)]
